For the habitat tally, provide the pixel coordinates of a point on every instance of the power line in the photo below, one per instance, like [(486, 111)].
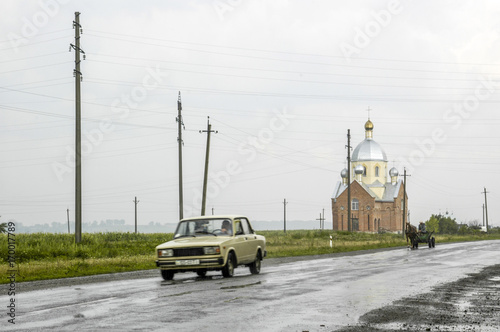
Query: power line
[(253, 69), (292, 53), (306, 81)]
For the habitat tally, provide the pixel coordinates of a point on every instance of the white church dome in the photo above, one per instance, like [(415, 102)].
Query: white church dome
[(359, 169), (368, 150)]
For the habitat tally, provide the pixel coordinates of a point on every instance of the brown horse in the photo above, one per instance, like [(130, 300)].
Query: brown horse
[(410, 231)]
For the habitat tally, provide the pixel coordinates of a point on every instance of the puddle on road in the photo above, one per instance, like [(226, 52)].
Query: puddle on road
[(178, 294), (187, 281), (495, 279), (241, 286), (463, 305)]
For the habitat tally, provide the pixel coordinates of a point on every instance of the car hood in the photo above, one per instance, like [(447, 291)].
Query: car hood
[(199, 241)]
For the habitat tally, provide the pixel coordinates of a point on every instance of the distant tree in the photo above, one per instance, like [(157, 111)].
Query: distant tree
[(474, 224), (463, 229), (447, 225), (3, 227), (432, 225)]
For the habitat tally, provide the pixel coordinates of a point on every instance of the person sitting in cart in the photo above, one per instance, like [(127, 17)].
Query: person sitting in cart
[(421, 227)]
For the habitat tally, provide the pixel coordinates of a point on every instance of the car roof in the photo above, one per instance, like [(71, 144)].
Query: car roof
[(222, 216)]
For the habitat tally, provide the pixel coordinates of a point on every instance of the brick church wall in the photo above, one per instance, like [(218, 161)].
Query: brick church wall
[(372, 215)]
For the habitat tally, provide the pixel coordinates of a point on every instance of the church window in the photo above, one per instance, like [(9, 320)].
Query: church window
[(355, 204), (364, 170), (376, 170)]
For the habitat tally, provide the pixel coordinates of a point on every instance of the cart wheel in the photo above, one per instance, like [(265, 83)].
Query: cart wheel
[(430, 243)]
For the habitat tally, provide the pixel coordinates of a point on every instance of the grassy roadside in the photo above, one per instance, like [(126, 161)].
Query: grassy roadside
[(43, 256)]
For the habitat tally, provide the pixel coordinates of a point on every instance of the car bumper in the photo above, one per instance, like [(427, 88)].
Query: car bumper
[(190, 263)]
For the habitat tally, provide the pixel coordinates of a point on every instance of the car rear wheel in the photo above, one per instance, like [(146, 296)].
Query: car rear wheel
[(167, 275), (255, 266), (228, 269)]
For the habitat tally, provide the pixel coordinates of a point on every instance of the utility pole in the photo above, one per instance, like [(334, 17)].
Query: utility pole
[(67, 213), (135, 202), (404, 202), (321, 219), (349, 180), (180, 124), (483, 215), (78, 151), (208, 131), (486, 208), (323, 226), (284, 214)]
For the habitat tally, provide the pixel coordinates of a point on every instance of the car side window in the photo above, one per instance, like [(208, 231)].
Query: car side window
[(250, 229), (244, 224), (238, 227)]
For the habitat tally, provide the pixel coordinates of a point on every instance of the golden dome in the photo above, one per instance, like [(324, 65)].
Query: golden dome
[(368, 125)]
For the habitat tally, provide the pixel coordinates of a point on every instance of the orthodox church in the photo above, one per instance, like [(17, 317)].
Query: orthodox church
[(376, 198)]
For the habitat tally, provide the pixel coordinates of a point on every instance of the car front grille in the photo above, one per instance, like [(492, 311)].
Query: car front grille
[(183, 252)]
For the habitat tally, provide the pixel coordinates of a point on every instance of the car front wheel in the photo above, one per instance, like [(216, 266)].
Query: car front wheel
[(167, 275), (255, 266), (228, 269)]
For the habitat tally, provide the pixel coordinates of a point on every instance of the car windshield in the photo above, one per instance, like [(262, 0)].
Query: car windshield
[(204, 227)]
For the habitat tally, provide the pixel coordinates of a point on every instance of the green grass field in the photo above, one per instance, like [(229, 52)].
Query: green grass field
[(42, 256)]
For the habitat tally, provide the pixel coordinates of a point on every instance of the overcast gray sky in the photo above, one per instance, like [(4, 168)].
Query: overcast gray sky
[(282, 82)]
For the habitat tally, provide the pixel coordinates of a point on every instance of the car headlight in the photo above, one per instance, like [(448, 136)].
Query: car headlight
[(211, 250), (165, 252)]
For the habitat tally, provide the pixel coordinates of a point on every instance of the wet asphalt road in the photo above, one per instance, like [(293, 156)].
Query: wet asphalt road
[(324, 293)]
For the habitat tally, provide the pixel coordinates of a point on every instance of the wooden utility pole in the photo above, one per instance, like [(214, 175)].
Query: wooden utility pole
[(323, 227), (205, 178), (486, 208), (78, 151), (67, 213), (180, 124), (483, 215), (348, 179), (135, 203), (284, 214), (321, 220), (404, 202)]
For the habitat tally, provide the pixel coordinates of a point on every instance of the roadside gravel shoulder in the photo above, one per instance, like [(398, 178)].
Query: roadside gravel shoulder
[(468, 304)]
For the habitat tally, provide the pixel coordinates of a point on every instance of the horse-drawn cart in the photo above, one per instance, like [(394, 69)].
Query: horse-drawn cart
[(421, 237)]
